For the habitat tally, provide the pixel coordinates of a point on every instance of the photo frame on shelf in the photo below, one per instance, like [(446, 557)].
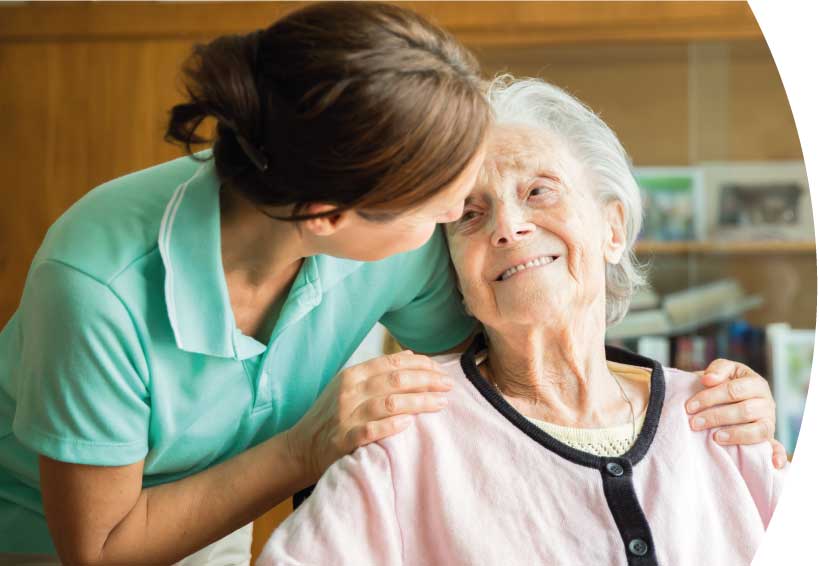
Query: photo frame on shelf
[(757, 201), (673, 203), (790, 358)]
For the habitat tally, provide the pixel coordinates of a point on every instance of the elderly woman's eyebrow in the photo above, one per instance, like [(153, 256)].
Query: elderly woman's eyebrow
[(552, 175), (472, 199), (548, 174), (540, 174)]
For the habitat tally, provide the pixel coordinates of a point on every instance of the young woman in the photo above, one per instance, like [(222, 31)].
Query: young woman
[(172, 371)]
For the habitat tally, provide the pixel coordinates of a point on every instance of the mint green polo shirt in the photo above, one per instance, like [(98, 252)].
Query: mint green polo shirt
[(124, 346)]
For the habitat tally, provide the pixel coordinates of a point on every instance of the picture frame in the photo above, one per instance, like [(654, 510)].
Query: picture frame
[(750, 201), (672, 203), (790, 354)]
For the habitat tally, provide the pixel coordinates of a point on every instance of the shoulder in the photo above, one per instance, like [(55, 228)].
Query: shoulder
[(680, 385), (117, 222), (444, 433)]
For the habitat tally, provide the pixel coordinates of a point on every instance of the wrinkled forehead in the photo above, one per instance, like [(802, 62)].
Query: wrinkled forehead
[(514, 154), (518, 152)]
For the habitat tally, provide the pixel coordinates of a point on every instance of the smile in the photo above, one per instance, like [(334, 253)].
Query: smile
[(537, 262)]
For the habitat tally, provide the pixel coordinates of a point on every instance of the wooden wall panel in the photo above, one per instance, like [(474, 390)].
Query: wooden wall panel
[(645, 95), (641, 93), (23, 161), (476, 23), (264, 526), (79, 113), (761, 125)]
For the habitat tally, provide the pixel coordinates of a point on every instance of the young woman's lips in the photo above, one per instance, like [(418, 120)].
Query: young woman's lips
[(540, 261)]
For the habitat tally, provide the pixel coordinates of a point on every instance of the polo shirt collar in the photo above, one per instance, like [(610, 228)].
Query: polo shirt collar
[(196, 293)]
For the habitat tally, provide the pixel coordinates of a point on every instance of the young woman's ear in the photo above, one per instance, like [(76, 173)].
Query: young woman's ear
[(615, 242), (325, 225)]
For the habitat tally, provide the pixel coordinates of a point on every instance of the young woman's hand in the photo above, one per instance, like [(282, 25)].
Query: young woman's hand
[(738, 400), (365, 403)]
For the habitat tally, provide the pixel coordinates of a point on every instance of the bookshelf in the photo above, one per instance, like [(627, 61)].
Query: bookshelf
[(749, 247), (717, 317)]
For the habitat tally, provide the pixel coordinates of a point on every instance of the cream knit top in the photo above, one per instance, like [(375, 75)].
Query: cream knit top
[(609, 441)]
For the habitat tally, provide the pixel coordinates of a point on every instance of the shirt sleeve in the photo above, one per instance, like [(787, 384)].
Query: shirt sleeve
[(432, 318), (82, 393), (350, 518), (755, 464)]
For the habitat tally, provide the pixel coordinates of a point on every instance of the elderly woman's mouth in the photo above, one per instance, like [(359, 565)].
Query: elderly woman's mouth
[(540, 261)]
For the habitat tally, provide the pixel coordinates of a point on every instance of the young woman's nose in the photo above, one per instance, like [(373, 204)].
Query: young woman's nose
[(510, 228)]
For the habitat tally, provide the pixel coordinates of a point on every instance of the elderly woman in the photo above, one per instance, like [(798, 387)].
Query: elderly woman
[(554, 449)]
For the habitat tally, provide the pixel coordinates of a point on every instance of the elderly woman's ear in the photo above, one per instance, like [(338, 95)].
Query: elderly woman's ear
[(615, 232)]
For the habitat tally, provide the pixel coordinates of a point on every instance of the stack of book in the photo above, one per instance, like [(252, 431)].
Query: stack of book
[(689, 328)]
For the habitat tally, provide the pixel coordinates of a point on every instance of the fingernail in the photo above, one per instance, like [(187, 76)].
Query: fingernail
[(693, 406), (698, 422), (441, 401), (779, 462), (722, 436), (447, 382)]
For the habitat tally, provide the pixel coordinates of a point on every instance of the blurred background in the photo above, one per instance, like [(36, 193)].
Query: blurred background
[(690, 88)]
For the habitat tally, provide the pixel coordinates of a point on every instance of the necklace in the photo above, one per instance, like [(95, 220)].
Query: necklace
[(630, 407), (480, 358)]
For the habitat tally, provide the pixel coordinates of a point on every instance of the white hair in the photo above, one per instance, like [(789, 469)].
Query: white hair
[(538, 104)]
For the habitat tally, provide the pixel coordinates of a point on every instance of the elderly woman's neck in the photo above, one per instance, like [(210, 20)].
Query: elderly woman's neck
[(557, 375)]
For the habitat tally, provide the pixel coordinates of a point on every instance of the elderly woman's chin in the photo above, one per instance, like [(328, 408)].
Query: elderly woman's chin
[(529, 299)]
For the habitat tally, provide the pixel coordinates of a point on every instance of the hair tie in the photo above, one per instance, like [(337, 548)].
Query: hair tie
[(256, 155)]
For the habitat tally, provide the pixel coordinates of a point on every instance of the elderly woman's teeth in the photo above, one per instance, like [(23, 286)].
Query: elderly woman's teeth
[(545, 260)]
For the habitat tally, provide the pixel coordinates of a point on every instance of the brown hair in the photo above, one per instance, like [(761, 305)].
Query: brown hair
[(362, 105)]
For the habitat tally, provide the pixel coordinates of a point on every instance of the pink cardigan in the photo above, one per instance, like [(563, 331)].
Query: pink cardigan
[(478, 484)]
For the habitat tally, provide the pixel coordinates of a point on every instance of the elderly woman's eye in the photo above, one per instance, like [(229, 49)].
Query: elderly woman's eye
[(539, 191), (469, 215)]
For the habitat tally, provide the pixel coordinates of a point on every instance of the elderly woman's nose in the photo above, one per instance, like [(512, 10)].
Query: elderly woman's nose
[(510, 229)]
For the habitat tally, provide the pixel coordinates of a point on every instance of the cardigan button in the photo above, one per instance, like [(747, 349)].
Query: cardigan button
[(614, 469), (638, 547)]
